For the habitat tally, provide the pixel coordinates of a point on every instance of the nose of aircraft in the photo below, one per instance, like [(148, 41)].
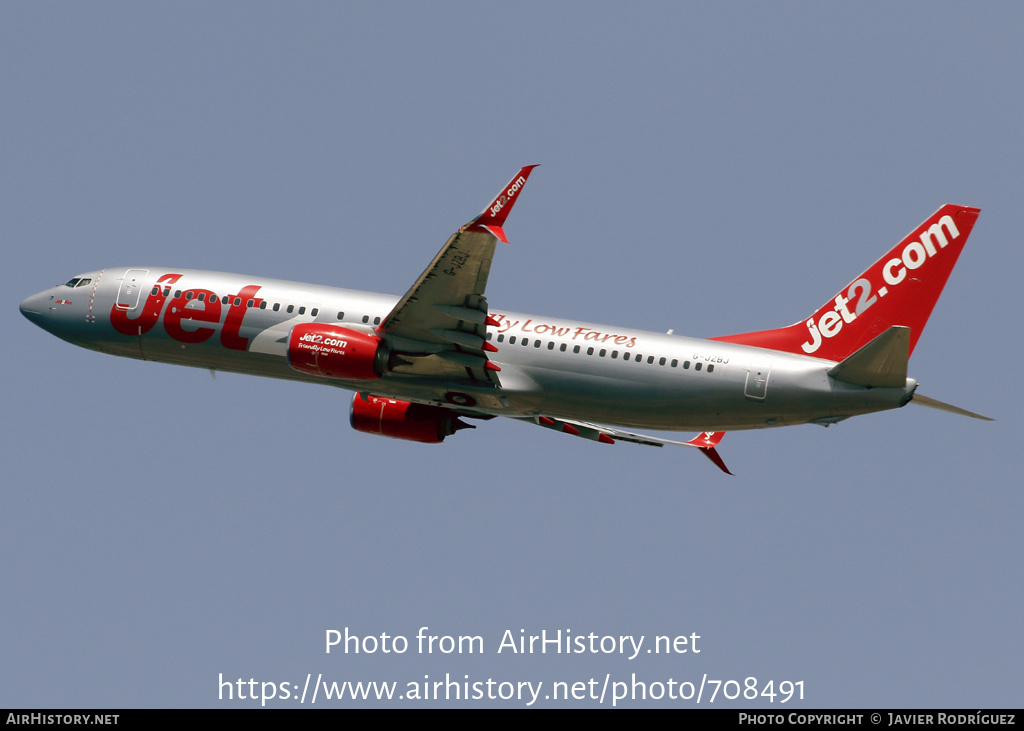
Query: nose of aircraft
[(39, 308), (54, 311), (34, 307)]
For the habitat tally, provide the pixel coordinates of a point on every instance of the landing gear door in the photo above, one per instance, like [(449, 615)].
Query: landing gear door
[(131, 287), (758, 373)]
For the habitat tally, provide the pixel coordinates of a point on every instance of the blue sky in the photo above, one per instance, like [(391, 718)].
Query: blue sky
[(710, 169)]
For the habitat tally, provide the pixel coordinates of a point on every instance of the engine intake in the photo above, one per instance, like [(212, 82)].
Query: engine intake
[(388, 417), (332, 351)]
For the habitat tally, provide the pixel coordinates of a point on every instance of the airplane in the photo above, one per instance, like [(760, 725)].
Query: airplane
[(422, 363)]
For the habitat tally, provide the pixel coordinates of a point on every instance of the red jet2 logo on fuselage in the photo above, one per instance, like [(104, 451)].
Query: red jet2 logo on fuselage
[(195, 309)]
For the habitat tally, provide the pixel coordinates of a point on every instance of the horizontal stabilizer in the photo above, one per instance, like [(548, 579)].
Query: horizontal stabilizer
[(932, 403), (882, 363)]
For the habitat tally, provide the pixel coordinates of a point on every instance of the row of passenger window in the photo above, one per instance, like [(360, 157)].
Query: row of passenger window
[(562, 347), (237, 301), (603, 352)]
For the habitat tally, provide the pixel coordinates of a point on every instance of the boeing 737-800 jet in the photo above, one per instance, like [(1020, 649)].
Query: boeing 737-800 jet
[(423, 362)]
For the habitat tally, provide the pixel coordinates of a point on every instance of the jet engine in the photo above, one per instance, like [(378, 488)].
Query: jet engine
[(404, 420), (332, 351)]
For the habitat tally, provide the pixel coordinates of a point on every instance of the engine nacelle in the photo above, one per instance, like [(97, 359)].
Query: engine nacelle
[(332, 351), (403, 420)]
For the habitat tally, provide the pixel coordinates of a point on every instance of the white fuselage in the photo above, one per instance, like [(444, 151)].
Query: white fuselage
[(549, 366)]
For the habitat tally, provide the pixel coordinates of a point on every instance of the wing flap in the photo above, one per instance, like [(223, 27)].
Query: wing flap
[(705, 442)]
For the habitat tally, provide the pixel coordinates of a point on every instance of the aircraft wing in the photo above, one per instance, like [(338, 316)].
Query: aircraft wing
[(706, 442), (439, 326)]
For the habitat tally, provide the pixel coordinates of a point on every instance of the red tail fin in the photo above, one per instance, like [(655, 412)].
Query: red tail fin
[(901, 288)]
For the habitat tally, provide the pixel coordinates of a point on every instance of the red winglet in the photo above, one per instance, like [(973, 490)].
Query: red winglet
[(605, 439), (489, 366), (570, 429), (707, 440), (706, 443), (712, 454), (492, 218)]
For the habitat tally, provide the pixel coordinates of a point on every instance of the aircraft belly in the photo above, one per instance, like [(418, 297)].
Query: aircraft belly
[(666, 403), (211, 356), (720, 402)]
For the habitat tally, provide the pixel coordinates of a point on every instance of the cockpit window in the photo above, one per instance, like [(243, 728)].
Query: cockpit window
[(78, 282)]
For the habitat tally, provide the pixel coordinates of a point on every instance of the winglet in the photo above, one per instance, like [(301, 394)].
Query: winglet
[(706, 443), (492, 218)]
